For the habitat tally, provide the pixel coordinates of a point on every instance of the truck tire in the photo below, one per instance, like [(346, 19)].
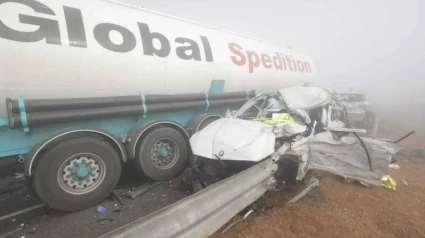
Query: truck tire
[(77, 174), (162, 154)]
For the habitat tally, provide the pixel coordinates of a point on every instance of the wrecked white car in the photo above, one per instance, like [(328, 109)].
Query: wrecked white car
[(300, 128), (357, 108)]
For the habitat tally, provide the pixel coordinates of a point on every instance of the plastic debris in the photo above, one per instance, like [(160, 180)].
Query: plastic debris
[(404, 182), (101, 209), (394, 166), (388, 182), (350, 180)]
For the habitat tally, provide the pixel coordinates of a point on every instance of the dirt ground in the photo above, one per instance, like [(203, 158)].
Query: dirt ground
[(338, 209)]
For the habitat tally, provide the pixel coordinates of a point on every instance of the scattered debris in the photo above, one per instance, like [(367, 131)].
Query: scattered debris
[(237, 221), (118, 197), (388, 182), (104, 220), (142, 189), (404, 182), (33, 232), (311, 183), (101, 209), (117, 210), (203, 175), (263, 203), (394, 166), (350, 180)]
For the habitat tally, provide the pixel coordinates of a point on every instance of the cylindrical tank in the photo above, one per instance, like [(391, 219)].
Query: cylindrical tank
[(80, 48)]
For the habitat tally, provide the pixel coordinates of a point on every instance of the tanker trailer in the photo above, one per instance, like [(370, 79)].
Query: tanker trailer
[(91, 85)]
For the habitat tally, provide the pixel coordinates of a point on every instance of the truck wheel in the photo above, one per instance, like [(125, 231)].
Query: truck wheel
[(77, 174), (162, 154)]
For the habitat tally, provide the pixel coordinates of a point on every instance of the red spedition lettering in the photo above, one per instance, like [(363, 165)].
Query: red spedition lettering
[(276, 61)]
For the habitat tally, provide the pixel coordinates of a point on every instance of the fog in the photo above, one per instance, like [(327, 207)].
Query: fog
[(375, 47)]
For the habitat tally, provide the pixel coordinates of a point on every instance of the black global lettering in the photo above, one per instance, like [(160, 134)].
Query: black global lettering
[(48, 29), (186, 49), (101, 34), (147, 39)]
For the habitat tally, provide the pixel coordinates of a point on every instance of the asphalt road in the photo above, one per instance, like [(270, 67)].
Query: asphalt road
[(45, 222)]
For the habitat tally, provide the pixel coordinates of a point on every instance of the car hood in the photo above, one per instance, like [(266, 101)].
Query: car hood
[(234, 139)]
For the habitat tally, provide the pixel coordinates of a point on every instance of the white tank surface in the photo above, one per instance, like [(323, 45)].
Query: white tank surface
[(80, 48)]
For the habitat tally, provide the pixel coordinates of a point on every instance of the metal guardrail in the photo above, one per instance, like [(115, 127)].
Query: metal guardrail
[(203, 213)]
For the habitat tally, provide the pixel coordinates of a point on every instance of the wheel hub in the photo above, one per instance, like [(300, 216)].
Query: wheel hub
[(164, 153), (81, 173)]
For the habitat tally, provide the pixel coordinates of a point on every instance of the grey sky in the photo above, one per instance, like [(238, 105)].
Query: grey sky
[(373, 46)]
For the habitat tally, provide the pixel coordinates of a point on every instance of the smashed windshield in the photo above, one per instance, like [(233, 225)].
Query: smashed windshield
[(261, 106)]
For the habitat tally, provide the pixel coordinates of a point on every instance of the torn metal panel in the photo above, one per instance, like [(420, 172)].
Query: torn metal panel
[(345, 156)]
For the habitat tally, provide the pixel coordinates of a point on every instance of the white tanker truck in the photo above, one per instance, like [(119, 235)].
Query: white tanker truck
[(90, 85)]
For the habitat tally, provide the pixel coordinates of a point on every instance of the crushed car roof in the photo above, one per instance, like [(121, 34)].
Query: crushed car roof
[(303, 98)]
